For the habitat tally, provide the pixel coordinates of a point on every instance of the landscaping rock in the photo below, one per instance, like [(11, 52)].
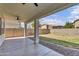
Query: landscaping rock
[(61, 49)]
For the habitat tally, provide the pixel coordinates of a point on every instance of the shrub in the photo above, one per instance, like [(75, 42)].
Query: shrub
[(68, 25)]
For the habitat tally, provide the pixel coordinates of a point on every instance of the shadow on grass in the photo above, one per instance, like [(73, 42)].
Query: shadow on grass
[(59, 42)]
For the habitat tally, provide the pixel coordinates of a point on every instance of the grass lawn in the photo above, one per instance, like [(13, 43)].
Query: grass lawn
[(61, 42), (66, 41)]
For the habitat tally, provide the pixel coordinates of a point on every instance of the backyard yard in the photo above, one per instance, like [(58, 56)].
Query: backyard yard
[(66, 41)]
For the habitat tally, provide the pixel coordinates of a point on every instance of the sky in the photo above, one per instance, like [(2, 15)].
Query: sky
[(60, 18)]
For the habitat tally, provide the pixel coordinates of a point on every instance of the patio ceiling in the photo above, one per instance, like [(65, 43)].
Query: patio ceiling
[(27, 12)]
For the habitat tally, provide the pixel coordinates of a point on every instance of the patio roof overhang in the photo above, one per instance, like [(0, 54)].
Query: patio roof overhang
[(27, 12)]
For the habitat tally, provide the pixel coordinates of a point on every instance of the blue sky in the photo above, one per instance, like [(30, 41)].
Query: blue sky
[(60, 18)]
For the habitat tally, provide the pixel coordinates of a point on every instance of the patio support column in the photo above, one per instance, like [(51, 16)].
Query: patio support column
[(36, 31), (25, 28)]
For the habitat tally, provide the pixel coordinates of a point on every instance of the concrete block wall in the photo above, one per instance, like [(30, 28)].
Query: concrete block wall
[(71, 32)]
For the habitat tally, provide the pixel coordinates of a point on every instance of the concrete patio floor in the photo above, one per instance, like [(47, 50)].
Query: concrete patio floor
[(25, 47)]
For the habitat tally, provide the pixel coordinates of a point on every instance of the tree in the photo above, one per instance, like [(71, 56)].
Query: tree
[(32, 24), (68, 25)]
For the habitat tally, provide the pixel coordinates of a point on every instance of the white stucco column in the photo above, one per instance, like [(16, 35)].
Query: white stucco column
[(25, 28), (36, 31)]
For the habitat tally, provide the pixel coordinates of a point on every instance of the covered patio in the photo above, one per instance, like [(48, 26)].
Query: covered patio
[(27, 12), (25, 47)]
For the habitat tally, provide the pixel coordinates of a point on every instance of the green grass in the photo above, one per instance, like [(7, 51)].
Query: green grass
[(74, 43)]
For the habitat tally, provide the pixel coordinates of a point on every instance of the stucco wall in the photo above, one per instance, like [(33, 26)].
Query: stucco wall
[(10, 21)]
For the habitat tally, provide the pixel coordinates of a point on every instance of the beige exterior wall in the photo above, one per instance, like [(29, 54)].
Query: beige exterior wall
[(43, 27), (76, 24), (10, 21), (12, 27)]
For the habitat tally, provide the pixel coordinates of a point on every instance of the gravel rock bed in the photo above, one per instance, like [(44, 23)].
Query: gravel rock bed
[(61, 49)]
